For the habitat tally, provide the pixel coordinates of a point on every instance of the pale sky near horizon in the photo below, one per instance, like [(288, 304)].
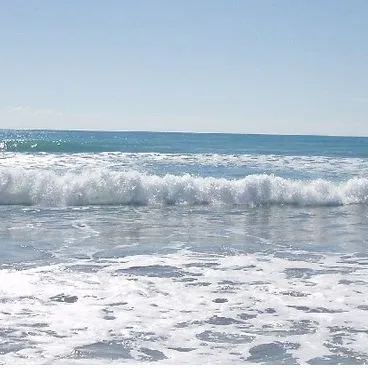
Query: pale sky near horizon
[(247, 66)]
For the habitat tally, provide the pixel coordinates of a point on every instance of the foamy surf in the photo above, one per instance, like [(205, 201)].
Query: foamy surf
[(188, 307), (105, 187)]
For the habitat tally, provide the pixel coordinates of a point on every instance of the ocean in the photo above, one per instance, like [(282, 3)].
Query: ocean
[(139, 247)]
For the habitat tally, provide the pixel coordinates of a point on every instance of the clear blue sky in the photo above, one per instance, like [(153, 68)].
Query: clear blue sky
[(252, 66)]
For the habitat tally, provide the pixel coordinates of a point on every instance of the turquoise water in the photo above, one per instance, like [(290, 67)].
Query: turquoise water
[(74, 142), (178, 248)]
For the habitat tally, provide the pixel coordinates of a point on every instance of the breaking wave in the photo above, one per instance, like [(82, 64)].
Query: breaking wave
[(105, 187)]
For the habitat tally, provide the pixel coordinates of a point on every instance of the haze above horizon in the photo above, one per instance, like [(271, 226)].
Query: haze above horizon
[(241, 66)]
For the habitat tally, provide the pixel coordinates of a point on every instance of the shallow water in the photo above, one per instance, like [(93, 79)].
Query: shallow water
[(183, 284)]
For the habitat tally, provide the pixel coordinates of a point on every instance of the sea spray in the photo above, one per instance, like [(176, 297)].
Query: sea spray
[(107, 187)]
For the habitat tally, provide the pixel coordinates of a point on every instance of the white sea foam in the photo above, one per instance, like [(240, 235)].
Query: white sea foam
[(107, 187), (186, 307), (331, 166)]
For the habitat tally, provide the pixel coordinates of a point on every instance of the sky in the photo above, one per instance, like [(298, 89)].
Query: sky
[(241, 66)]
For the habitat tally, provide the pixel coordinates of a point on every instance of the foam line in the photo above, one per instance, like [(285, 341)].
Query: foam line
[(105, 187)]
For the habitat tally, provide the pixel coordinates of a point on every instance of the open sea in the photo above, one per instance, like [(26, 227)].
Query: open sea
[(139, 247)]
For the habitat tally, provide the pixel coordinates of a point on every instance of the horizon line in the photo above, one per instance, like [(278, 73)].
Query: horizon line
[(185, 132)]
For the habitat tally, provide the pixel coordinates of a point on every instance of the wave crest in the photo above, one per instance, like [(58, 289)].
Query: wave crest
[(104, 187)]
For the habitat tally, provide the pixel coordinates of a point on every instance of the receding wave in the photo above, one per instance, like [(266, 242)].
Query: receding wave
[(104, 187)]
